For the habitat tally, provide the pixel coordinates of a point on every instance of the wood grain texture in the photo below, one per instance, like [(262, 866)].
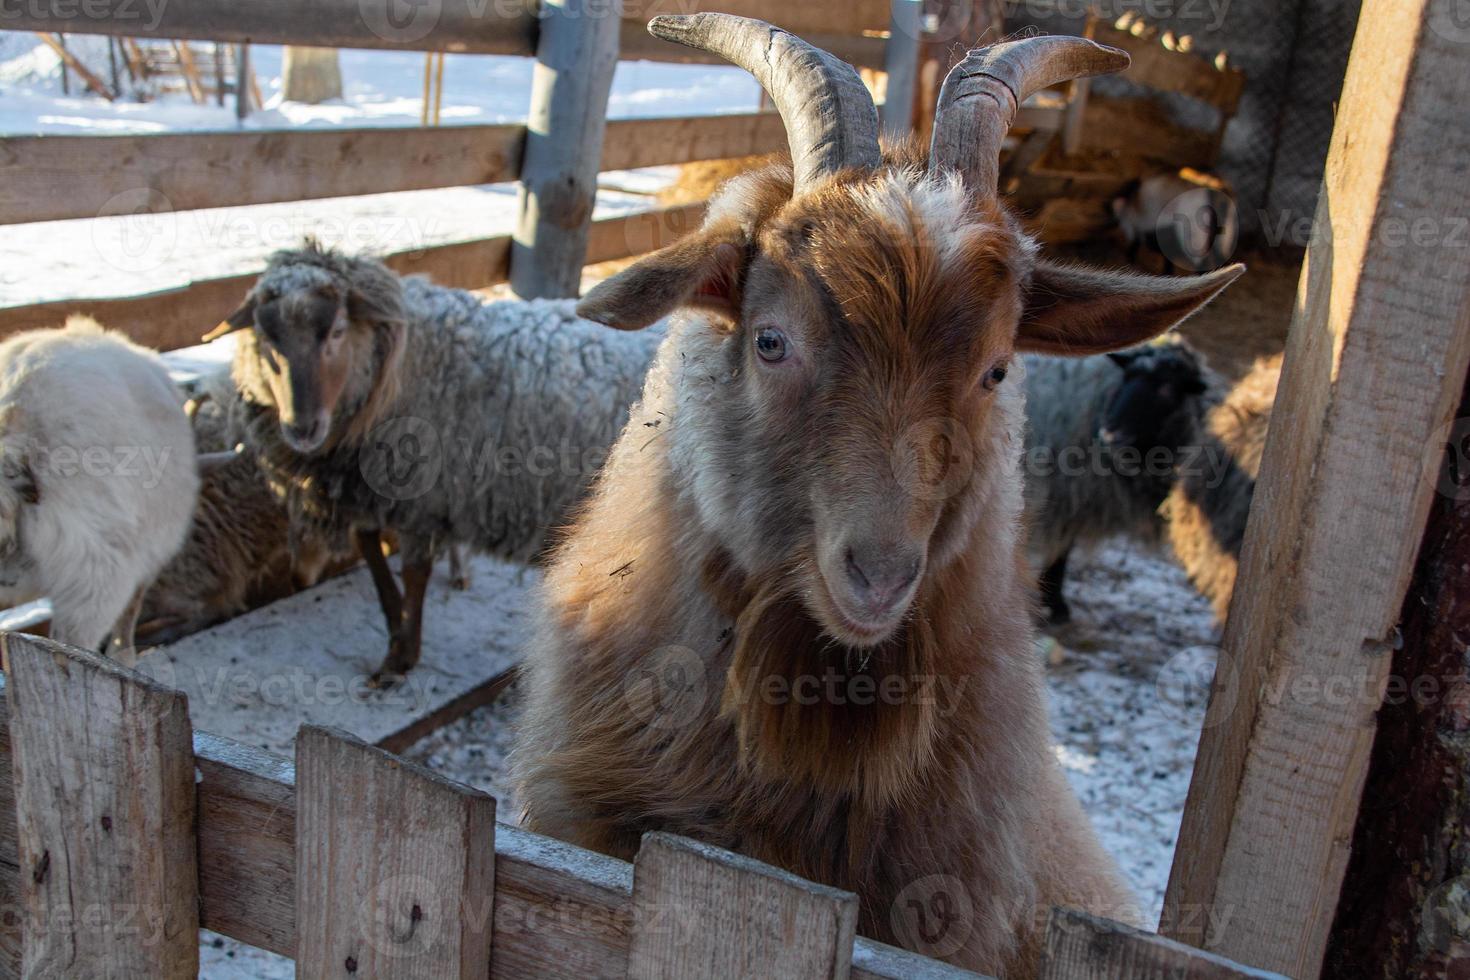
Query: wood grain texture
[(699, 911), (47, 178), (466, 26), (1083, 947), (50, 178), (560, 912), (1375, 363), (395, 866), (575, 58), (103, 772)]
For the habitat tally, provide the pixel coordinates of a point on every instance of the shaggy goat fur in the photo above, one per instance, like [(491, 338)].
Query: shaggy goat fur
[(99, 479), (457, 422), (1081, 489), (676, 680), (241, 551), (1207, 510)]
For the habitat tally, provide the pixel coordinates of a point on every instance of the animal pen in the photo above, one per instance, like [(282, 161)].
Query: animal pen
[(123, 831)]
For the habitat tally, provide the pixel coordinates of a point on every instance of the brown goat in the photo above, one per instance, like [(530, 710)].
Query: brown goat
[(793, 619)]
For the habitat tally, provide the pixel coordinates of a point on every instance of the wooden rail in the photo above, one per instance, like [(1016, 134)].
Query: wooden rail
[(272, 837), (178, 317), (50, 178), (468, 26)]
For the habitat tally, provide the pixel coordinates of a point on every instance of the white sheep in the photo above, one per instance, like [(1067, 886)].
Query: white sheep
[(98, 478)]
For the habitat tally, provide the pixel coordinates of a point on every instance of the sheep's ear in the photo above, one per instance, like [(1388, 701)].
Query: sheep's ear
[(1074, 310), (238, 320), (703, 271)]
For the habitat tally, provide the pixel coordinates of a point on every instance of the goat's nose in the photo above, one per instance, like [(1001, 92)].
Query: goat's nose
[(880, 576), (305, 432)]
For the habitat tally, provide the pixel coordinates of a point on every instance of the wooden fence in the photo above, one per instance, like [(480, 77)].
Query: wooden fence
[(122, 832), (556, 158)]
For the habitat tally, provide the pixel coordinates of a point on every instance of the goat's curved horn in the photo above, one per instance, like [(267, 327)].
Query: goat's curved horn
[(831, 123), (980, 97)]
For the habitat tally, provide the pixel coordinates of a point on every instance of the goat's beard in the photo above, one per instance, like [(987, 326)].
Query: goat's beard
[(806, 708)]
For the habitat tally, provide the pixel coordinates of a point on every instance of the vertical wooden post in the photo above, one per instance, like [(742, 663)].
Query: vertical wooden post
[(395, 866), (1375, 364), (104, 799), (901, 62), (242, 81), (575, 57), (699, 911)]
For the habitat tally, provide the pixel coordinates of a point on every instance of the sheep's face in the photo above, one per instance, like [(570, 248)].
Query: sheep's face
[(845, 413), (305, 352), (1156, 403)]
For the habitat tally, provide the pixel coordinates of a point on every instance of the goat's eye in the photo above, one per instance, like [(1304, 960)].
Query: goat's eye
[(770, 344), (995, 377)]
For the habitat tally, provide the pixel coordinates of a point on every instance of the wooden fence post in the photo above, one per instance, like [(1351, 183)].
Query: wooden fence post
[(699, 911), (395, 866), (1375, 365), (901, 62), (575, 58), (104, 799)]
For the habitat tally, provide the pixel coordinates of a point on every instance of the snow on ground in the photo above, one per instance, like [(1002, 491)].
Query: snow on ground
[(128, 254), (1127, 689)]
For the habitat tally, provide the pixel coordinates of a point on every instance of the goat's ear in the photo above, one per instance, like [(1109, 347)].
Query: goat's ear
[(703, 271), (238, 320), (1074, 310)]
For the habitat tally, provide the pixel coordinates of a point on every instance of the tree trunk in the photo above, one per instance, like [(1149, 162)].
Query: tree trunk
[(311, 75), (1405, 905)]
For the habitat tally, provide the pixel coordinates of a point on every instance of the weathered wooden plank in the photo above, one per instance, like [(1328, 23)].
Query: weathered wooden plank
[(395, 866), (575, 58), (848, 17), (1083, 947), (560, 912), (699, 911), (174, 318), (1143, 127), (46, 178), (1375, 363), (103, 773), (637, 234), (860, 50), (1179, 72), (50, 178), (467, 26), (901, 64)]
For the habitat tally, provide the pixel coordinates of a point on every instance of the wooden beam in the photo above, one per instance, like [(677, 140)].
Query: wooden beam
[(859, 50), (1177, 72), (173, 318), (702, 911), (1083, 947), (466, 26), (1375, 363), (575, 58), (901, 64), (74, 63), (395, 866), (561, 913), (804, 19), (50, 178), (104, 801)]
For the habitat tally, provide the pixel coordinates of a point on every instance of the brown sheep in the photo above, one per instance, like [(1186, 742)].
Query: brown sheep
[(1207, 509), (794, 617)]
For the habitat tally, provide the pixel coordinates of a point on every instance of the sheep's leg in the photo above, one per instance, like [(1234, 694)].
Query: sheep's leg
[(1050, 585), (120, 646), (370, 544), (459, 573), (403, 648)]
